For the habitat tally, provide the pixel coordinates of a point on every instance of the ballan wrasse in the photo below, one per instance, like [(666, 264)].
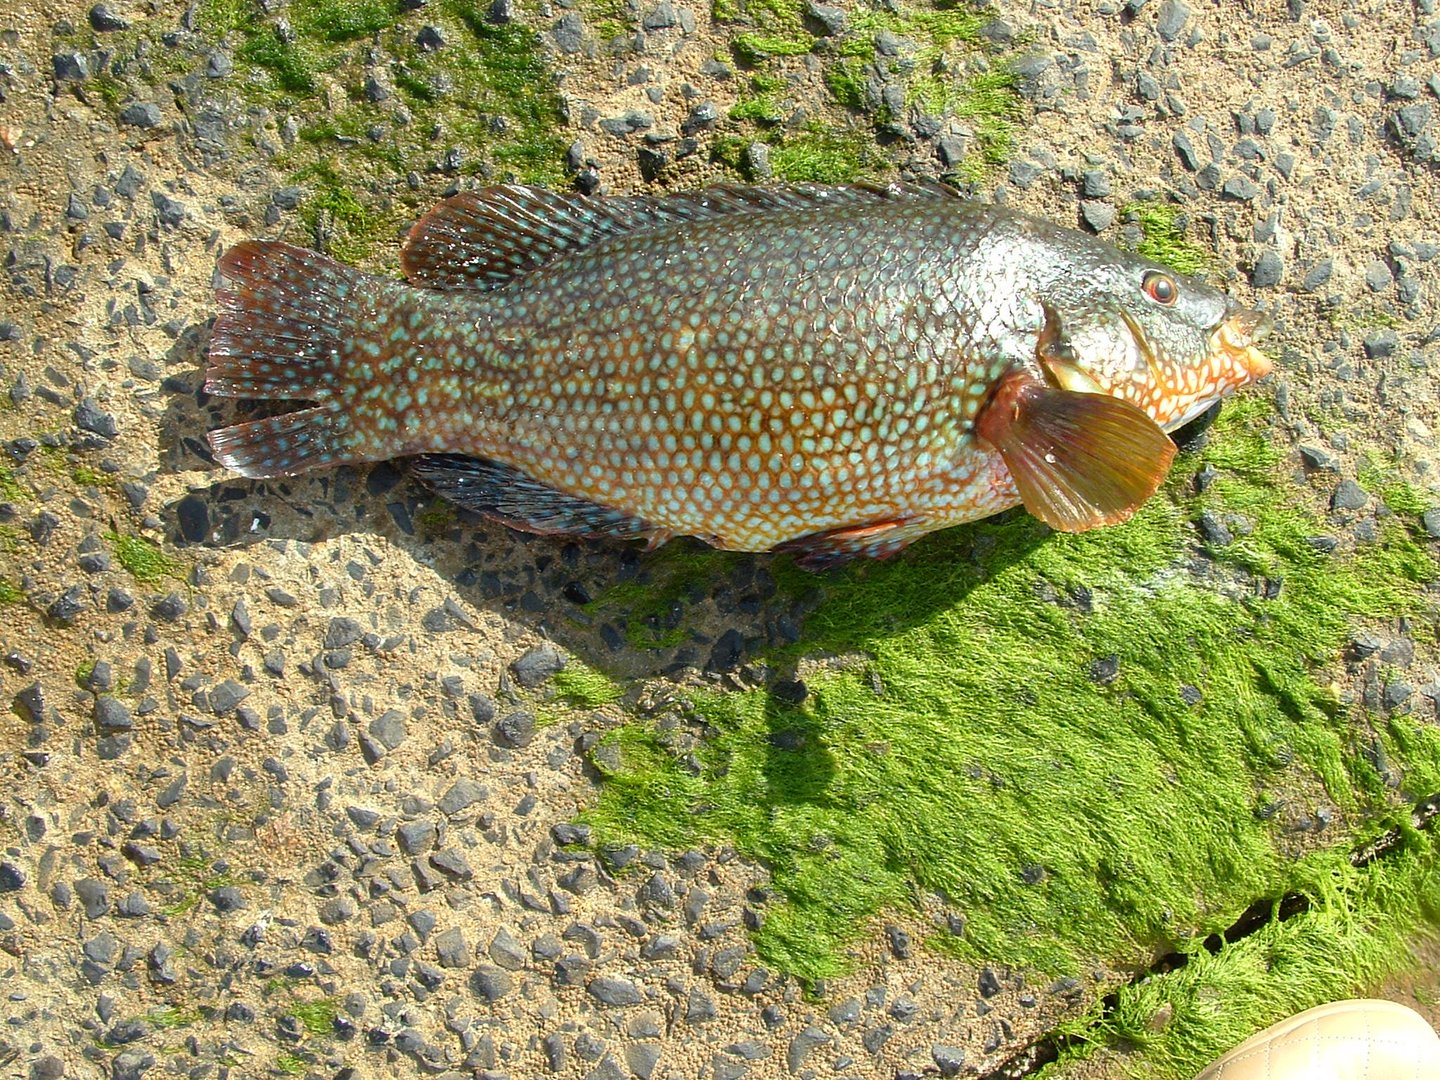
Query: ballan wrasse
[(834, 371)]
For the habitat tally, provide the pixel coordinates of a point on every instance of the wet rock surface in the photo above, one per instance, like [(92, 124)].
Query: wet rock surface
[(288, 781)]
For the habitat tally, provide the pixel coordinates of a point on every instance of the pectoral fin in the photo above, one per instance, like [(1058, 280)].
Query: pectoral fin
[(1079, 460)]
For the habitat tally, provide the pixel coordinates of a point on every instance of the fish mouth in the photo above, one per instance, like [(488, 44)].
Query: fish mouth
[(1234, 341)]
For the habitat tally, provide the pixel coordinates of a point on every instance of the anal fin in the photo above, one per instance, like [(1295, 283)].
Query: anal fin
[(520, 501), (836, 547)]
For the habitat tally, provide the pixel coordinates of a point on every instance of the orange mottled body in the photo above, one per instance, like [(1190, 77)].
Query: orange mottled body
[(816, 367)]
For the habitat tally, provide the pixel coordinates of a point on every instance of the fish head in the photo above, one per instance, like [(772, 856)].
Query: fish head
[(1163, 341)]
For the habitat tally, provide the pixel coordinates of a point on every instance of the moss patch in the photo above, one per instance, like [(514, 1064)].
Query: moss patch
[(585, 688), (9, 592), (145, 561), (483, 102), (11, 489), (1355, 932), (942, 66), (1072, 741), (1164, 237)]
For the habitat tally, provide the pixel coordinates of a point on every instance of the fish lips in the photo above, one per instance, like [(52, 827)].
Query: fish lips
[(1236, 338)]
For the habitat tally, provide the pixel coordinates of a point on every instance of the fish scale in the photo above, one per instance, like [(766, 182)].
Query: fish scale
[(758, 367)]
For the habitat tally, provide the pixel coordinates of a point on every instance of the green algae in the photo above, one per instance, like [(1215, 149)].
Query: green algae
[(484, 103), (945, 71), (170, 1017), (9, 592), (1164, 238), (583, 687), (11, 490), (1068, 740), (826, 156), (1355, 932), (316, 1017), (145, 561)]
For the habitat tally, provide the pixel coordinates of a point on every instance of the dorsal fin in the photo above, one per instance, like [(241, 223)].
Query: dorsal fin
[(482, 239)]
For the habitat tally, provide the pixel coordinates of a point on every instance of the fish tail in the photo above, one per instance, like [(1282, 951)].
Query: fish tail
[(295, 324)]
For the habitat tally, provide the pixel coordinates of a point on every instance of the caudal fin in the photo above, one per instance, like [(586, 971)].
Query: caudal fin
[(287, 319)]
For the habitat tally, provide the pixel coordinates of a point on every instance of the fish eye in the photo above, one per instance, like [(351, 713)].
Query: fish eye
[(1160, 287)]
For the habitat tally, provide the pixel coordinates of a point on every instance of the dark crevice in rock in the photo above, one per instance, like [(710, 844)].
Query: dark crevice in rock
[(1031, 1058)]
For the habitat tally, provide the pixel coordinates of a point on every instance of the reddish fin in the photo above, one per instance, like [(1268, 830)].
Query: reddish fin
[(295, 442), (287, 317), (1078, 460), (836, 547), (522, 502), (482, 239)]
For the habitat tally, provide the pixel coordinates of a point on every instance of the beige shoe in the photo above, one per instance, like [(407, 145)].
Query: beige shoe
[(1344, 1040)]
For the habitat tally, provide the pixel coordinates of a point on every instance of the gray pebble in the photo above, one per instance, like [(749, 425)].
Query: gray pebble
[(950, 149), (757, 161), (506, 951), (1431, 520), (1318, 275), (1377, 276), (169, 608), (1098, 215), (1397, 693), (613, 990), (430, 39), (462, 794), (1185, 147), (832, 19), (451, 949), (802, 1045), (1174, 14), (416, 837), (12, 878), (491, 983), (101, 949), (608, 1069), (1317, 457), (1096, 184), (516, 730), (112, 714), (141, 114), (1268, 270), (90, 417), (103, 20), (537, 666), (388, 729), (661, 947), (1348, 495), (70, 66), (452, 864), (218, 64), (950, 1060), (94, 897), (341, 632), (227, 898), (131, 1065), (226, 696), (988, 983), (1240, 187), (1380, 343), (170, 211), (568, 33), (661, 17), (699, 1006)]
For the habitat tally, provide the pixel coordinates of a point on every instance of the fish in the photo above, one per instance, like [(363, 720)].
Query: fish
[(829, 370)]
